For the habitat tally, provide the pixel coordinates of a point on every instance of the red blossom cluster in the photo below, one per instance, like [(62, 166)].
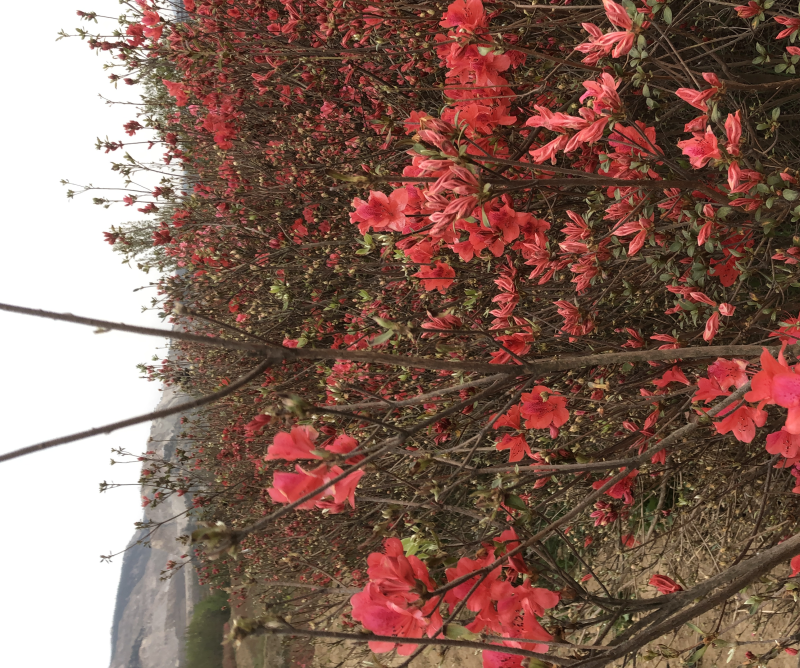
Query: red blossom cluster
[(401, 600), (458, 186)]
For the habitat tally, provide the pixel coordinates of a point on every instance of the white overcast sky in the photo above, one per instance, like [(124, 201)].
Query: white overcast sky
[(58, 378)]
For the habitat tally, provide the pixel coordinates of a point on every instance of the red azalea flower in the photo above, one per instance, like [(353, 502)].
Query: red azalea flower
[(742, 422), (785, 444), (728, 373), (296, 445), (621, 490), (792, 25), (466, 15), (516, 445), (749, 10), (438, 278), (542, 409), (701, 148), (664, 584), (381, 212)]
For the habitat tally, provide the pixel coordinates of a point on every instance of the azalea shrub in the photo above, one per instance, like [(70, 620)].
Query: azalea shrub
[(528, 279)]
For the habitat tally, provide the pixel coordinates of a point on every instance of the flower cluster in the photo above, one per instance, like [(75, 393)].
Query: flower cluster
[(400, 599), (290, 487)]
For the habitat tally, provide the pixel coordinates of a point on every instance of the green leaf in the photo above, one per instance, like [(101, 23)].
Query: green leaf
[(457, 632), (410, 545), (382, 338), (536, 663), (694, 658), (790, 195), (667, 14), (513, 501), (485, 218), (386, 324), (696, 629)]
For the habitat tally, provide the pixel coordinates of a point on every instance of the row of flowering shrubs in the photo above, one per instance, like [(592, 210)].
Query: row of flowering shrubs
[(417, 204)]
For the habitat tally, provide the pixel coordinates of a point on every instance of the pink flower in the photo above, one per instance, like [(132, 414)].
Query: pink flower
[(398, 575), (674, 375), (728, 373), (795, 565), (789, 330), (712, 327), (438, 278), (783, 443), (542, 409), (466, 15), (761, 384), (296, 445), (575, 322), (786, 392), (381, 212), (289, 487), (600, 44), (617, 15), (510, 419), (256, 425), (518, 343), (701, 148), (733, 129), (664, 584), (621, 490), (734, 175), (344, 444), (556, 121), (177, 91), (640, 227), (708, 389), (622, 42), (589, 135), (742, 422), (345, 489), (670, 341), (698, 100), (604, 92), (696, 124), (749, 10), (516, 445), (384, 616), (482, 596)]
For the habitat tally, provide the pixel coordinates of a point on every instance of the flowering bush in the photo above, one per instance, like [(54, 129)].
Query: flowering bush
[(456, 230)]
